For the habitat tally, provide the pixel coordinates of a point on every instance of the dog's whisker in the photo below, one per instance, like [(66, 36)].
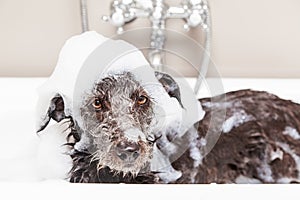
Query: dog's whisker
[(100, 167), (94, 158)]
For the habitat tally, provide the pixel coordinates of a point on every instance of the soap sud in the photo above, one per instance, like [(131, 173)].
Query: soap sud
[(291, 132), (203, 142), (265, 172), (53, 160), (219, 105), (196, 155), (195, 152), (170, 175), (235, 120), (71, 57), (161, 163), (161, 157), (278, 154)]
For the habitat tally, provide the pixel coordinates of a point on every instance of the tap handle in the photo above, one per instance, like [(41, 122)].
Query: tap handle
[(121, 14), (197, 13), (194, 19), (116, 20)]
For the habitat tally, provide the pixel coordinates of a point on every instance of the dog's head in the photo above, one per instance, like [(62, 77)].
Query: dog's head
[(120, 116)]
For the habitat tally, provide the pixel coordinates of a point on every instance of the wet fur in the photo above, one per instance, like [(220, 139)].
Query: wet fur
[(243, 153), (246, 150), (86, 171)]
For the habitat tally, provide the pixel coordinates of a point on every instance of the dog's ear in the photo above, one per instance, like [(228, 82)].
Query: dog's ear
[(56, 112), (170, 85)]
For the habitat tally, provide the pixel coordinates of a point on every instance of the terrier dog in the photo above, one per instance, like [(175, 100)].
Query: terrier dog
[(259, 140)]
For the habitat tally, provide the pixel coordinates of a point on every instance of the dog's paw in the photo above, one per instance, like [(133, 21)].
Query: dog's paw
[(53, 159)]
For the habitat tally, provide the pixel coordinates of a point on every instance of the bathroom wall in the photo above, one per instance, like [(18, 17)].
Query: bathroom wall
[(251, 38)]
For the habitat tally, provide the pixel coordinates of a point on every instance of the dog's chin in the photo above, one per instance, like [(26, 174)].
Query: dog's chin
[(124, 168)]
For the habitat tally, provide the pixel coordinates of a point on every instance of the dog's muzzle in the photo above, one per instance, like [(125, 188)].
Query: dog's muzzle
[(129, 148)]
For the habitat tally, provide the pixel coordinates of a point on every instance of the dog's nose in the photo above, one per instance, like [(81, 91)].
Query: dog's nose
[(128, 151)]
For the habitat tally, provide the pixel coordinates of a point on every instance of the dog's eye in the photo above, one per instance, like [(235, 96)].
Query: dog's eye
[(97, 104), (142, 100)]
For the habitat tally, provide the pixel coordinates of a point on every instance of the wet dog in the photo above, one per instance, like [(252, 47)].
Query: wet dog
[(258, 137)]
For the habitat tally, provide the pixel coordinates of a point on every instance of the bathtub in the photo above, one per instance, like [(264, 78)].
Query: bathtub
[(18, 140)]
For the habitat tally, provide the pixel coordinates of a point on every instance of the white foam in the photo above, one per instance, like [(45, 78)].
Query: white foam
[(265, 172), (161, 163), (195, 146), (235, 120), (62, 81), (53, 160), (195, 154), (278, 154), (291, 132)]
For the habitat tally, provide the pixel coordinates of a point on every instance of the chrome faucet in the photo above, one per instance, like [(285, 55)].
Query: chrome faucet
[(194, 12)]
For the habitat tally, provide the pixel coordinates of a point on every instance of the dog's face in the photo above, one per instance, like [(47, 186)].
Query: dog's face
[(118, 115)]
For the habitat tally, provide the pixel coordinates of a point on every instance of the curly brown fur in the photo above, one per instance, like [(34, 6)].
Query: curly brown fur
[(256, 150), (255, 144)]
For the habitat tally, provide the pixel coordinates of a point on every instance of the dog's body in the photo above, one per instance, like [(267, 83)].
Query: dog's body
[(259, 143), (259, 140)]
